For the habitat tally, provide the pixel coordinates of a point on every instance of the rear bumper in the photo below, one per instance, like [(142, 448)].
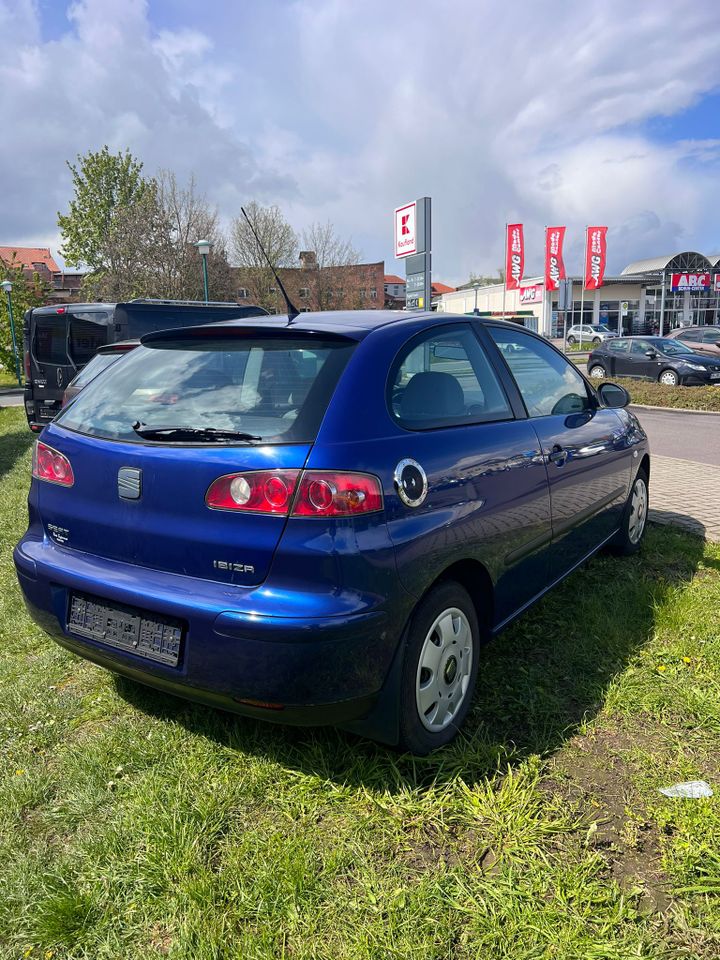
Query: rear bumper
[(315, 669)]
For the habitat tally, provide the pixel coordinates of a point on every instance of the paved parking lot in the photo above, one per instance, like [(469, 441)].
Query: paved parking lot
[(686, 493)]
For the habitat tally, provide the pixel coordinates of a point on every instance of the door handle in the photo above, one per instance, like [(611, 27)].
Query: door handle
[(557, 455)]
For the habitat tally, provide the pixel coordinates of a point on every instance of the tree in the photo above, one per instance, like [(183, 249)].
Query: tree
[(281, 245), (330, 286), (27, 292), (107, 188), (186, 217), (479, 280)]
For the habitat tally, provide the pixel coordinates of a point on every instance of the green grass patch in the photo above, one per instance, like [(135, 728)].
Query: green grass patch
[(134, 825), (7, 378)]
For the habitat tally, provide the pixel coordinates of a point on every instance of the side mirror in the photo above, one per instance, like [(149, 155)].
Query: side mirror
[(613, 395), (651, 354)]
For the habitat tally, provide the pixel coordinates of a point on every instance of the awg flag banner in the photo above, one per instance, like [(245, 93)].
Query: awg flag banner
[(595, 257), (554, 265), (514, 256)]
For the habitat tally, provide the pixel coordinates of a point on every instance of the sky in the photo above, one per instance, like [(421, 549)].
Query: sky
[(545, 112)]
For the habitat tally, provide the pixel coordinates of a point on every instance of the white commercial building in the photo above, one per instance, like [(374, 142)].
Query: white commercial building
[(678, 290)]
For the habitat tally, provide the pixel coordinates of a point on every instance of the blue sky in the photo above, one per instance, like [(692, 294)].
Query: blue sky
[(547, 113)]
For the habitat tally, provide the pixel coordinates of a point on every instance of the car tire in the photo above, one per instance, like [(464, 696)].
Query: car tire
[(596, 372), (669, 378), (571, 340), (440, 668), (634, 521), (597, 340)]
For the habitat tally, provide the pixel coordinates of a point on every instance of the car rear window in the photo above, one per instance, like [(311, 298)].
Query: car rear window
[(273, 388), (84, 337)]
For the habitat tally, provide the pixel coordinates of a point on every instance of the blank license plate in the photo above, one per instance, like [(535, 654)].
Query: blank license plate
[(47, 413), (715, 376), (126, 628)]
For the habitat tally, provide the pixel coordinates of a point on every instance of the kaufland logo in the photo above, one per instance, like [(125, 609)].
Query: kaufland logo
[(405, 230)]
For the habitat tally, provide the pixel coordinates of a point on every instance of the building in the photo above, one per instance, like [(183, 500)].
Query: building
[(394, 292), (63, 285), (310, 287), (648, 295)]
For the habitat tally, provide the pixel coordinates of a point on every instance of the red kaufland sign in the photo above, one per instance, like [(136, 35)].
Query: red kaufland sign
[(406, 230), (690, 281)]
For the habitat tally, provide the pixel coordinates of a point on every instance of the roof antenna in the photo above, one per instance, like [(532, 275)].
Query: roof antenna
[(292, 310)]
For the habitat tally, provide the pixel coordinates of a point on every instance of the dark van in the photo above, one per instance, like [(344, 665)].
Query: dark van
[(60, 339)]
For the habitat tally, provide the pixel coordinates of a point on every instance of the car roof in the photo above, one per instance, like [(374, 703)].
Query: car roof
[(347, 324)]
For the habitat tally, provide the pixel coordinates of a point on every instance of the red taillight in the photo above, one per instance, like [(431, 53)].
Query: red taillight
[(320, 493), (256, 491), (48, 464), (323, 493)]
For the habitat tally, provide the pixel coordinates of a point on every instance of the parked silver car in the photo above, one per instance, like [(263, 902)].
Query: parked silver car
[(591, 333)]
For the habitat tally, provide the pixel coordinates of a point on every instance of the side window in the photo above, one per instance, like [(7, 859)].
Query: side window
[(549, 384), (443, 378), (619, 346), (84, 339), (693, 335), (711, 336)]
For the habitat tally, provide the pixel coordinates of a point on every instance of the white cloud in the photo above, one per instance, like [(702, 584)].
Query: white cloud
[(335, 110)]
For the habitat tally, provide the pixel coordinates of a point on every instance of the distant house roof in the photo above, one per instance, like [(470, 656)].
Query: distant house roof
[(438, 288), (28, 257), (393, 278)]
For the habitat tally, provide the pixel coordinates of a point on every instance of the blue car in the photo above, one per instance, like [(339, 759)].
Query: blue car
[(320, 521)]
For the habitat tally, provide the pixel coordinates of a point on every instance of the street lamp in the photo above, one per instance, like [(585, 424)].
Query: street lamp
[(204, 249), (475, 287), (7, 287)]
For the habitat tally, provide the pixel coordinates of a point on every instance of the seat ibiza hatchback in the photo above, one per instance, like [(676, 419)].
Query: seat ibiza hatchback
[(320, 521)]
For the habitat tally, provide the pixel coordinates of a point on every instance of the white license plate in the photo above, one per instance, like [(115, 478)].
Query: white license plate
[(715, 376)]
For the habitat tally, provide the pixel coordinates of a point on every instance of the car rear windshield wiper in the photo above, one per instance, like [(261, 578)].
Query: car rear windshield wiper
[(189, 433)]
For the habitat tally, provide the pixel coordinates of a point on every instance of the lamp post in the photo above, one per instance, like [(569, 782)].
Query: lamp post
[(204, 249), (7, 287), (475, 288)]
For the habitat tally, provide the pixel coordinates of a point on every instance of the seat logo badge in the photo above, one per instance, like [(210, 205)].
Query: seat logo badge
[(410, 482), (129, 483)]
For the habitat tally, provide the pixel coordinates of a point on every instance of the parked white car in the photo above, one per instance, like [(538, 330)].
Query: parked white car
[(591, 333)]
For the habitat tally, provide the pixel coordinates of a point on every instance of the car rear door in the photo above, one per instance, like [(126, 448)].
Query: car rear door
[(618, 353), (584, 446), (640, 364)]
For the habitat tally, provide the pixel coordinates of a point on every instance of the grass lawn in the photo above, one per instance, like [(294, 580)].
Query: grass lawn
[(134, 825), (7, 378)]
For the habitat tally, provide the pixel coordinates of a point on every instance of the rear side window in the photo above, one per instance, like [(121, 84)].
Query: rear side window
[(690, 335), (550, 385), (50, 344), (84, 338), (98, 363), (274, 389), (619, 346), (711, 336), (443, 378)]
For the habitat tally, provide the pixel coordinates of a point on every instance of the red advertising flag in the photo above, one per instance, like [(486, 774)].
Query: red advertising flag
[(554, 264), (595, 257), (514, 256)]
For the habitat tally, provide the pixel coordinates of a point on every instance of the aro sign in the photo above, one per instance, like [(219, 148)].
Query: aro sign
[(690, 281), (406, 230)]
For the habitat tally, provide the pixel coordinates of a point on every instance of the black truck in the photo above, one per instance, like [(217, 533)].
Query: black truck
[(59, 340)]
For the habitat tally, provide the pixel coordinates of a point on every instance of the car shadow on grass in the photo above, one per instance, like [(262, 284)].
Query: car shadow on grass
[(537, 683), (14, 445)]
